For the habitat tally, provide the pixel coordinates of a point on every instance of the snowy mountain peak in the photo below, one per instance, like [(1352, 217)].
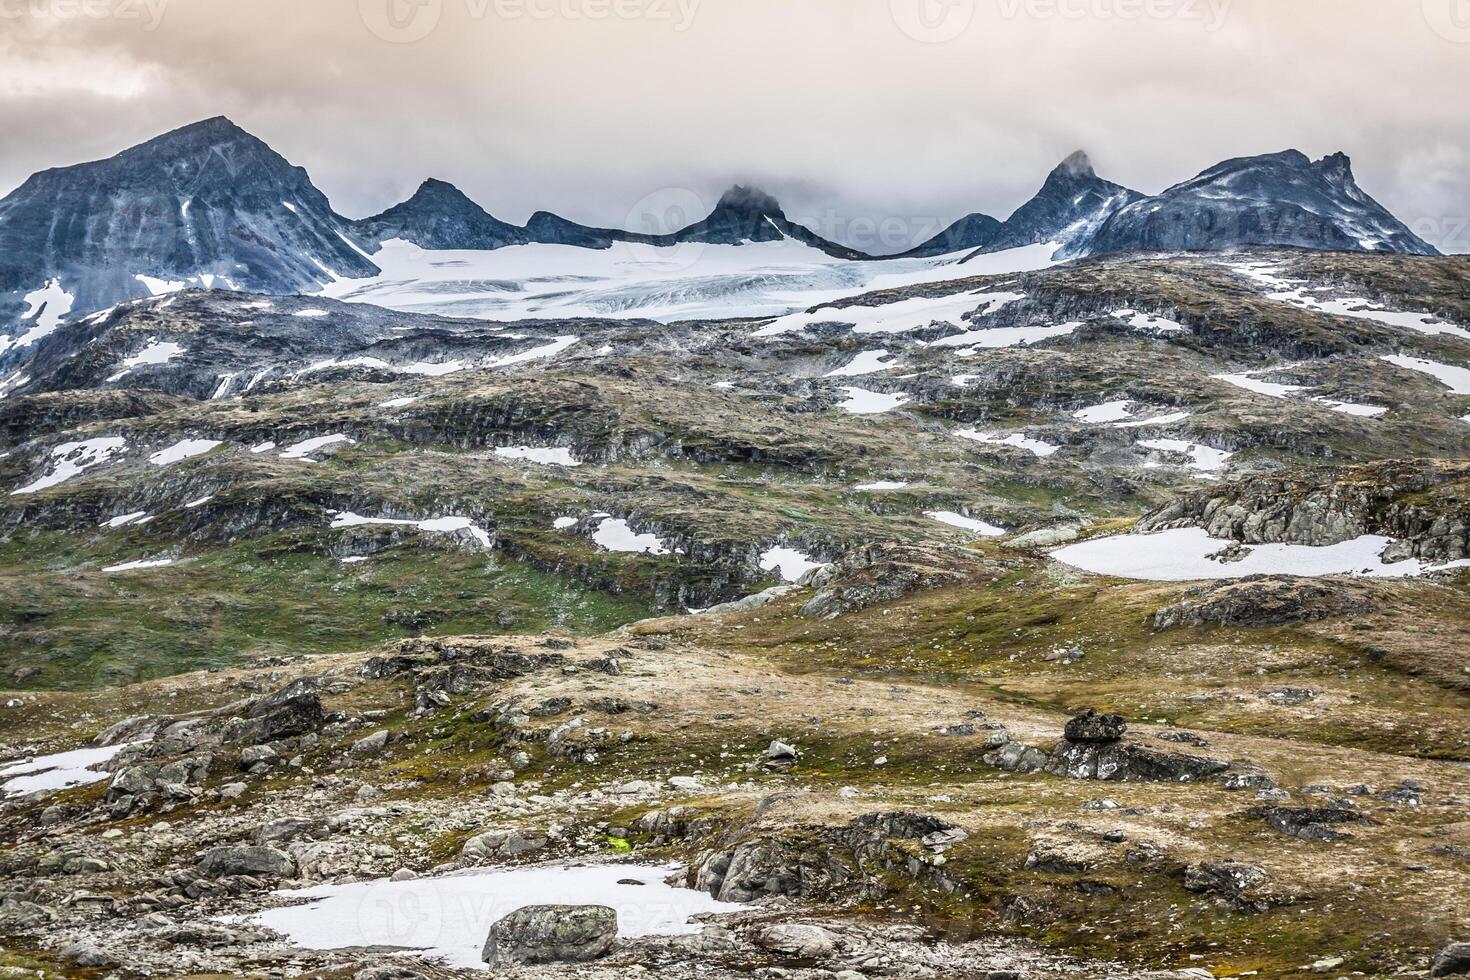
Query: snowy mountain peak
[(205, 204)]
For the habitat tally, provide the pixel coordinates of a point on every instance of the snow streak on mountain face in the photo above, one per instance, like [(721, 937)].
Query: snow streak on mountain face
[(693, 281)]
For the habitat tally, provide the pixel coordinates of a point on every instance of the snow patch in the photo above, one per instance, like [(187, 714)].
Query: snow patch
[(540, 456), (867, 362), (186, 449), (789, 562), (860, 401), (1186, 555), (1204, 459), (303, 449), (614, 534), (71, 458), (1036, 447), (1457, 379), (157, 352), (964, 523), (62, 770), (435, 525), (131, 566), (370, 914)]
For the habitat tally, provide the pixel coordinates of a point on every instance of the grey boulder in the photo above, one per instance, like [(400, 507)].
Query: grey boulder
[(552, 934)]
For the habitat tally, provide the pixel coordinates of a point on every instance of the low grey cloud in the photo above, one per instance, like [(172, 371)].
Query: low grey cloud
[(876, 120)]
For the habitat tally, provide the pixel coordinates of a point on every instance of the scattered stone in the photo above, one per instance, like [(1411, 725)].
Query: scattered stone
[(500, 844), (369, 745), (802, 942), (258, 861)]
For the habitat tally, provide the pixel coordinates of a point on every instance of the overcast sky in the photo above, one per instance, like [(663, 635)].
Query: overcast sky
[(854, 112)]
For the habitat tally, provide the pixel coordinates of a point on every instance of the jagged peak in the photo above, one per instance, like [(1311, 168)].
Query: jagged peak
[(1338, 163), (1077, 164), (749, 200)]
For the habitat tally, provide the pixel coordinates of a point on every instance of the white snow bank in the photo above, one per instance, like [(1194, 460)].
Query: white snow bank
[(1036, 447), (447, 918), (435, 525), (1149, 324), (47, 307), (542, 456), (71, 458), (614, 534), (303, 449), (186, 449), (998, 337), (1457, 379), (882, 485), (792, 564), (130, 566), (1205, 459), (157, 352), (400, 402), (1350, 408), (310, 314), (1183, 555), (896, 317), (124, 520), (965, 523), (1251, 383), (867, 362), (62, 770), (861, 401)]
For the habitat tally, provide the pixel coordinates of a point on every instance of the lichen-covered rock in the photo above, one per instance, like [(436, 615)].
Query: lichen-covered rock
[(1266, 602), (1310, 823), (552, 934), (1131, 763), (1227, 878)]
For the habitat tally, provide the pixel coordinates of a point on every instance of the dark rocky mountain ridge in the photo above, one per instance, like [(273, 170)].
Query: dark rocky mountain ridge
[(1275, 199)]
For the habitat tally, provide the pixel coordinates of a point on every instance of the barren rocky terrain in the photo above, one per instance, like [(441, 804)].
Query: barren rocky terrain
[(804, 615)]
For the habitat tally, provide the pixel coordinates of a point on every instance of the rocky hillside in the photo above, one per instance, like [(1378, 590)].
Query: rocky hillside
[(1105, 621)]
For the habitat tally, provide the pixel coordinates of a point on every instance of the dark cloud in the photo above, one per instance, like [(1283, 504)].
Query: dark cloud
[(860, 114)]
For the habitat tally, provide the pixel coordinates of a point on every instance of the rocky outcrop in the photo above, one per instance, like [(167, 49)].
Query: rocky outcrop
[(1310, 823), (1093, 748), (551, 934), (1423, 504), (1266, 601), (882, 573)]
